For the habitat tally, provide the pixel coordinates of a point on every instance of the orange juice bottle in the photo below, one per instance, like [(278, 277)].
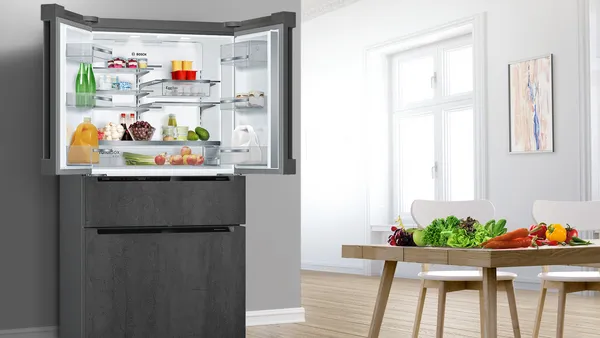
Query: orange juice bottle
[(83, 143)]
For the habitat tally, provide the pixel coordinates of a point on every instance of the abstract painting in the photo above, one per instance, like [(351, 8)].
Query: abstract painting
[(531, 106)]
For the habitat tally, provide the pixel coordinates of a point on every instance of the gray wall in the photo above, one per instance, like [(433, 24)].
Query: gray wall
[(28, 235)]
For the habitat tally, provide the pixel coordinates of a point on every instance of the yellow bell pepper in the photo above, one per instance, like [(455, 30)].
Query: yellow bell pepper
[(556, 232)]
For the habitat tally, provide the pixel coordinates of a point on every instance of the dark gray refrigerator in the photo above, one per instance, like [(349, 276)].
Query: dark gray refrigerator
[(152, 159)]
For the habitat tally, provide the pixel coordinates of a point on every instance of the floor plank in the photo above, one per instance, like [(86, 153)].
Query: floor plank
[(340, 306)]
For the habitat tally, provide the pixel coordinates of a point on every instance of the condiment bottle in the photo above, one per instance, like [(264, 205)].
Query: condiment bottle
[(172, 120)]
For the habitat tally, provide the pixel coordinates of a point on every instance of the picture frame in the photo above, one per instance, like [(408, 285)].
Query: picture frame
[(531, 105)]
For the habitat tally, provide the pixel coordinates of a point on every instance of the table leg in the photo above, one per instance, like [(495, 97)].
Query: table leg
[(490, 293), (383, 294)]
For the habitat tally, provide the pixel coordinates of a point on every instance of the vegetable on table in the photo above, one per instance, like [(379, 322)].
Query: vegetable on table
[(556, 232), (538, 230), (571, 232), (520, 242), (575, 241), (515, 234)]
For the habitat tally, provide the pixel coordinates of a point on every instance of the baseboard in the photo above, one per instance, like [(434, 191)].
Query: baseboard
[(359, 270), (278, 316), (31, 332), (253, 318)]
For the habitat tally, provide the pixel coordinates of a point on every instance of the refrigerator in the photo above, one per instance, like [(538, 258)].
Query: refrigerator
[(152, 161)]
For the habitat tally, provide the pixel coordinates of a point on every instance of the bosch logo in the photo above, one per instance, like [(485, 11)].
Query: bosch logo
[(138, 54)]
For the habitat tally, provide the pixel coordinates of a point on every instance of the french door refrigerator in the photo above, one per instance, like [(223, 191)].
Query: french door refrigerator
[(152, 127)]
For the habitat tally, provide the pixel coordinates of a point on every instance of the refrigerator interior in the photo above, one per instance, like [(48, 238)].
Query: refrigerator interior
[(231, 98)]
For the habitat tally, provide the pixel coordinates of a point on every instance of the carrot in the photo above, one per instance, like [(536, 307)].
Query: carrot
[(523, 242), (519, 233)]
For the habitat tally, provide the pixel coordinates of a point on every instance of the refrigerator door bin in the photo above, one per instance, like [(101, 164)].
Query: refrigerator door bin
[(88, 53), (165, 282), (244, 54), (253, 102)]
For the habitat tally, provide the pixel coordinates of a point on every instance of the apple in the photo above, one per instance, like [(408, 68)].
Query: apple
[(419, 237), (160, 159), (185, 150), (190, 160), (200, 160), (176, 160)]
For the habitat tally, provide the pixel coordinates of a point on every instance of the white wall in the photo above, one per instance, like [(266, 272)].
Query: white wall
[(334, 185)]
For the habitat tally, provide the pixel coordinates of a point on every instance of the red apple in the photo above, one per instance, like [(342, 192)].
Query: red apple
[(160, 159), (185, 150), (200, 160), (191, 160), (176, 160)]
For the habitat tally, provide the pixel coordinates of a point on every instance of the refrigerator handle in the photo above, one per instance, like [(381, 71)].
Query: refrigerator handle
[(163, 230), (46, 135)]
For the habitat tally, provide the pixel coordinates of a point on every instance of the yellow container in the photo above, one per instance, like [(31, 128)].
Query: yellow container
[(176, 65), (83, 143), (187, 65)]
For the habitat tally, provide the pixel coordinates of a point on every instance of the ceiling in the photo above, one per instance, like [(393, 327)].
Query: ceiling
[(314, 8)]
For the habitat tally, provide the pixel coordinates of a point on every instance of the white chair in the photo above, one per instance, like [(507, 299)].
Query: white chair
[(424, 212), (583, 216)]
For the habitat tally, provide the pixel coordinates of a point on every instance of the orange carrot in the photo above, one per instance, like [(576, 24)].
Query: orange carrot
[(523, 242), (519, 233)]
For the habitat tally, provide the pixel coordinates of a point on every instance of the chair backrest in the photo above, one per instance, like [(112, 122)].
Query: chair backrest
[(423, 212), (579, 214)]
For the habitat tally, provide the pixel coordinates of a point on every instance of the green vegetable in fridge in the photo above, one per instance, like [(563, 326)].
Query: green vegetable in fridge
[(138, 159)]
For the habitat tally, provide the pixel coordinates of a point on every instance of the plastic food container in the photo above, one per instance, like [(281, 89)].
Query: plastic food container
[(176, 65), (142, 63), (187, 65), (132, 63), (168, 133), (182, 132), (190, 74), (178, 75)]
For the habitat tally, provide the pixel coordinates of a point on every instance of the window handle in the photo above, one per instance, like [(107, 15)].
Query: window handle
[(433, 80), (434, 170)]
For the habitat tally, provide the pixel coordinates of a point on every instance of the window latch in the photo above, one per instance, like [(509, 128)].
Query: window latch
[(434, 170), (433, 80)]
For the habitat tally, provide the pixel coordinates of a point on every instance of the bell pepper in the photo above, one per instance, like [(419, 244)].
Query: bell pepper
[(538, 230), (556, 232)]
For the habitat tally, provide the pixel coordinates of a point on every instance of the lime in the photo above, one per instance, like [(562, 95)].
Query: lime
[(192, 136), (203, 134)]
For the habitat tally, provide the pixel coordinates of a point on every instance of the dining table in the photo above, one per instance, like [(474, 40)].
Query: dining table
[(488, 260)]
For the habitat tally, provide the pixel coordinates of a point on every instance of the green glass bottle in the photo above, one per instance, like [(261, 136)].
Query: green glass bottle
[(81, 86), (91, 89)]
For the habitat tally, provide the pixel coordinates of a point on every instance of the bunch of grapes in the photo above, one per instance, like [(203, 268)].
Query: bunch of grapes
[(401, 237), (141, 131)]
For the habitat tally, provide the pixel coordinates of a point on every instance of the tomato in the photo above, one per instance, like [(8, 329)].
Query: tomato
[(571, 233)]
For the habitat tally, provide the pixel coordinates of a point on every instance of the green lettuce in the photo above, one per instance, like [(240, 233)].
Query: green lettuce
[(460, 238), (439, 231)]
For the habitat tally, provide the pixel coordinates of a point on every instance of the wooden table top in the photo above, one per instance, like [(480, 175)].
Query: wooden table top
[(484, 258)]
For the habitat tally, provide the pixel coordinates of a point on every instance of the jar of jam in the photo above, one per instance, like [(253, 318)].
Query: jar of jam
[(132, 63), (142, 63)]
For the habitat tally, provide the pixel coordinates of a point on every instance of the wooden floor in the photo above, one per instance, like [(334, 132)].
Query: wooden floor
[(339, 305)]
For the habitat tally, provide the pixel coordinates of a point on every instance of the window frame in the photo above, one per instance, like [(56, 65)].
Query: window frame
[(438, 106)]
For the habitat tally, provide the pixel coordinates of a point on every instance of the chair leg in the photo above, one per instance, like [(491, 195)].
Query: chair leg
[(512, 305), (560, 320), (419, 312), (481, 313), (540, 310), (441, 313)]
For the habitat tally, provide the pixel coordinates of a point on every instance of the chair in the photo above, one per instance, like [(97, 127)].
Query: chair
[(423, 212), (583, 216)]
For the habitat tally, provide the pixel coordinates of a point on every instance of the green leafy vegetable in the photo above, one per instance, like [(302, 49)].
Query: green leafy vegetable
[(462, 238), (437, 233)]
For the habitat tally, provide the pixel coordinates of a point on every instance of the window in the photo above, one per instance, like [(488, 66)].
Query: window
[(433, 123)]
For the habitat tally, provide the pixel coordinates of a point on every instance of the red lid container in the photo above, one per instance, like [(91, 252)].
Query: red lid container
[(178, 75), (190, 74)]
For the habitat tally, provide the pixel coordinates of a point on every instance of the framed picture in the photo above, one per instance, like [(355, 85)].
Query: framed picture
[(531, 121)]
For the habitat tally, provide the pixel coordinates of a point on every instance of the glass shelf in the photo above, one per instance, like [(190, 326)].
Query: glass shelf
[(132, 92), (82, 102), (183, 88), (133, 71), (88, 52), (158, 143), (162, 104)]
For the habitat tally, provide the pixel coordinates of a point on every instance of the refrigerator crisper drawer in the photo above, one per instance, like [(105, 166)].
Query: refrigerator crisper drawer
[(115, 202), (165, 282)]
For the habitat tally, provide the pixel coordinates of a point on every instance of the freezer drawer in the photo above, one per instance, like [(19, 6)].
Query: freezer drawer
[(165, 282), (112, 202)]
